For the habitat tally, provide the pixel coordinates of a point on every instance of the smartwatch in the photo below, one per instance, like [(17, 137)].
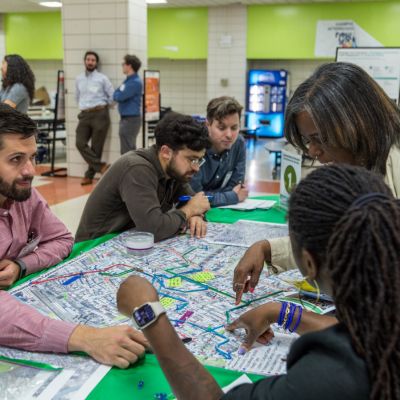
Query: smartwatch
[(146, 314)]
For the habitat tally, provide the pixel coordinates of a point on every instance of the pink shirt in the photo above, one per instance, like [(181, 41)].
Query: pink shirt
[(23, 327), (31, 232)]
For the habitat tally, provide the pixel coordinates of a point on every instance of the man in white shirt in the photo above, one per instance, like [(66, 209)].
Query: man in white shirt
[(94, 93)]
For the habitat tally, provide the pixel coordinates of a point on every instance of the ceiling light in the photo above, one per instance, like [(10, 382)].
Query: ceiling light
[(156, 1), (53, 4)]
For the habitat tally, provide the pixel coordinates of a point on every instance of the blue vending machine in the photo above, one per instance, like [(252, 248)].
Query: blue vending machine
[(266, 100)]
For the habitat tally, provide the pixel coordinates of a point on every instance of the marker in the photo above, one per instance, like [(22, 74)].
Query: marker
[(313, 295), (186, 340), (187, 198)]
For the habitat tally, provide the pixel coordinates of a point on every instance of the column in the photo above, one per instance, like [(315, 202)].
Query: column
[(112, 29), (226, 64)]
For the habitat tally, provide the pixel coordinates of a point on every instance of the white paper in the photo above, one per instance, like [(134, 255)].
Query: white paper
[(251, 204), (239, 381)]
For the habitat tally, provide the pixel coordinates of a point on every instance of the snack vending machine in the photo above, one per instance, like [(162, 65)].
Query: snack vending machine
[(266, 101)]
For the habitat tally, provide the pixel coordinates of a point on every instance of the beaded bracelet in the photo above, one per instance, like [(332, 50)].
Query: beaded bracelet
[(282, 312), (292, 310), (285, 318)]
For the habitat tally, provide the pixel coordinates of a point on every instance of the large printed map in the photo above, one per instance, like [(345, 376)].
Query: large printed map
[(193, 278)]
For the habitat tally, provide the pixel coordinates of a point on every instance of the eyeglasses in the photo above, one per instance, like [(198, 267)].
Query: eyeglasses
[(314, 140), (197, 162)]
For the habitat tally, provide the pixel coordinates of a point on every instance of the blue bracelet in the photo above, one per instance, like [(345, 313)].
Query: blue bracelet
[(298, 320), (291, 314), (282, 313)]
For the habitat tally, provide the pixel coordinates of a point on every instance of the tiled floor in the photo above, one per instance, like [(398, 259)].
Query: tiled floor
[(67, 197)]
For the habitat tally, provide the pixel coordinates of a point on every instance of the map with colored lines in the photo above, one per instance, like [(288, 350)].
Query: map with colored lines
[(194, 281)]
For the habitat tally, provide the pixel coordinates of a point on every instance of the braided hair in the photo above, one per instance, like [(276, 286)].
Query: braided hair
[(18, 71), (359, 247)]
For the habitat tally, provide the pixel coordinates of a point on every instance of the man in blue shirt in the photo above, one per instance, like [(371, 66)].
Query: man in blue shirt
[(93, 93), (129, 98), (223, 173)]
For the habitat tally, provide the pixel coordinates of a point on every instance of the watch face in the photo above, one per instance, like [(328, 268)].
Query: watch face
[(143, 315)]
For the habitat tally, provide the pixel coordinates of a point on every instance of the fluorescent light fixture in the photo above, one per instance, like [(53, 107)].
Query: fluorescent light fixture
[(156, 1), (53, 4)]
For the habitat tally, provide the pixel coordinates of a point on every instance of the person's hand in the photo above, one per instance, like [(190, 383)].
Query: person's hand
[(119, 346), (247, 272), (197, 226), (197, 205), (257, 323), (134, 292), (241, 191), (9, 273)]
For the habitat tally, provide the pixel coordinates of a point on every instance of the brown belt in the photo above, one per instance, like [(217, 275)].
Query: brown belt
[(97, 108)]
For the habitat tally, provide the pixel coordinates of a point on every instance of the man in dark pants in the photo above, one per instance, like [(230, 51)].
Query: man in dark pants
[(129, 98), (94, 93)]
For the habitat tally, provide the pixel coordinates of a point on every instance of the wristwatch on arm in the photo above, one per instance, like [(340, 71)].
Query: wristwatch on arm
[(146, 314)]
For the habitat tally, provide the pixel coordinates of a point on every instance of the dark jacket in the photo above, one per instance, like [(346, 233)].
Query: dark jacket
[(134, 193), (321, 366)]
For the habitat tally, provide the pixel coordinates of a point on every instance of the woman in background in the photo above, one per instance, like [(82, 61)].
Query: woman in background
[(18, 85)]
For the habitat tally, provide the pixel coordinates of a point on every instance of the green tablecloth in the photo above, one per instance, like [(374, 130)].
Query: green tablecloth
[(123, 384), (228, 216)]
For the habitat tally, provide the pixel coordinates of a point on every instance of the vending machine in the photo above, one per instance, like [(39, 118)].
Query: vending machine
[(266, 101)]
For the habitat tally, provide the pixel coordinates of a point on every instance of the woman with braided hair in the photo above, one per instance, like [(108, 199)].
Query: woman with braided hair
[(18, 85), (338, 115), (344, 226)]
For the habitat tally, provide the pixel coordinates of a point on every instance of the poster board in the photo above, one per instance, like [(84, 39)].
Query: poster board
[(381, 63), (290, 175), (151, 95)]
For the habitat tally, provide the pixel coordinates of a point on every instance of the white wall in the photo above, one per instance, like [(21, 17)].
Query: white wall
[(227, 32), (45, 72), (183, 84), (112, 29)]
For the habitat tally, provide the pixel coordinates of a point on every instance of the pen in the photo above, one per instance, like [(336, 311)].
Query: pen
[(241, 184), (187, 198), (313, 295)]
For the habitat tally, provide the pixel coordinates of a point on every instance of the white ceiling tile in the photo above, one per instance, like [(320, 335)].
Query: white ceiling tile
[(7, 6)]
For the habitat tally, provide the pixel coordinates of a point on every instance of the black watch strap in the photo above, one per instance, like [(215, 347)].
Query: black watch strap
[(22, 268)]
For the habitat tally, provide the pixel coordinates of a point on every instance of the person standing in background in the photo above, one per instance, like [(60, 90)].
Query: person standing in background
[(18, 84), (129, 98), (94, 94)]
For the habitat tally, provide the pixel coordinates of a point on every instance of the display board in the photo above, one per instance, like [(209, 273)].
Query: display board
[(151, 95), (381, 63)]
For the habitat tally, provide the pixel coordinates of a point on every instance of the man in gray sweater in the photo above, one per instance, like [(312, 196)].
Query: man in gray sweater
[(142, 188)]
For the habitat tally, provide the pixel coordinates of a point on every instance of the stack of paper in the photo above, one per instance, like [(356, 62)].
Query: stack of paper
[(251, 204)]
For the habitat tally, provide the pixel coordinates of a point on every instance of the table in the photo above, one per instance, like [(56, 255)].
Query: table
[(122, 384)]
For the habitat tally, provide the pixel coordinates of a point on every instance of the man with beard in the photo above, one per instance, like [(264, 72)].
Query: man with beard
[(142, 188), (93, 93), (33, 238)]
